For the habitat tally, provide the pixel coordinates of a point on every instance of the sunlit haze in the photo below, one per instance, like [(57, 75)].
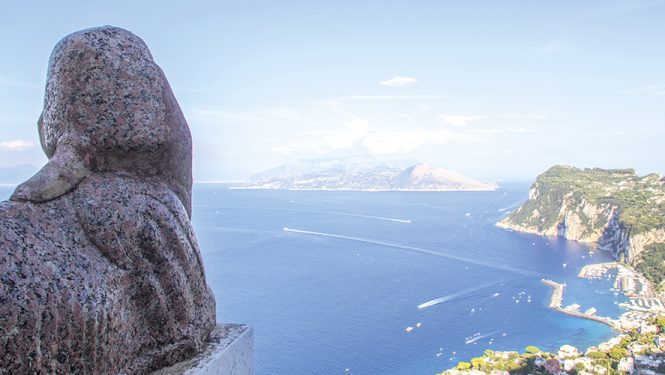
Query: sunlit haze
[(495, 90)]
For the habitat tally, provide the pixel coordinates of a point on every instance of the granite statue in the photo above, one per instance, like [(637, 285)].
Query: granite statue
[(100, 271)]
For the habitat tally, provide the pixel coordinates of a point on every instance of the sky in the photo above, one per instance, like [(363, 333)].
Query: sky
[(497, 90)]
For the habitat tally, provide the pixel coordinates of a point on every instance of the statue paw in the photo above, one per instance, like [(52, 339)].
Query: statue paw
[(59, 176)]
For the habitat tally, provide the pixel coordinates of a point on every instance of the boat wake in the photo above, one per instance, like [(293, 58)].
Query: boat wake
[(396, 220), (364, 216), (417, 250), (456, 295)]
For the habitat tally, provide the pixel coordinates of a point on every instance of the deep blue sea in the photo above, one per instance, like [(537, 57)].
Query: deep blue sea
[(338, 289)]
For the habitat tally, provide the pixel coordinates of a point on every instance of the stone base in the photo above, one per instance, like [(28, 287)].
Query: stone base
[(229, 351)]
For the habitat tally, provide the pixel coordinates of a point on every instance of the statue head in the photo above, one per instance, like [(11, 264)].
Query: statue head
[(108, 108)]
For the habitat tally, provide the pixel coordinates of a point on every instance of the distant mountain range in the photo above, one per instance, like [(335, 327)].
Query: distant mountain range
[(360, 174)]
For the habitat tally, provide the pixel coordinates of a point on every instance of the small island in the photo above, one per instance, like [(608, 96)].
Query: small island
[(364, 175)]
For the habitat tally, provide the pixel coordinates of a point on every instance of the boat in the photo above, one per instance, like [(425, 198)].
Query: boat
[(573, 307)]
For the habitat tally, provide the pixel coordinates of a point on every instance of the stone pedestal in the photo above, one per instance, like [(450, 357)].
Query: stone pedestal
[(229, 351)]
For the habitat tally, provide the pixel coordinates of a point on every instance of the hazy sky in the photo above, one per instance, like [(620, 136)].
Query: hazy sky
[(493, 89)]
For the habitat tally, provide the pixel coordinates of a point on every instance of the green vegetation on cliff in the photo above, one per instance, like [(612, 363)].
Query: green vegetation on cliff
[(621, 211), (640, 201), (652, 264)]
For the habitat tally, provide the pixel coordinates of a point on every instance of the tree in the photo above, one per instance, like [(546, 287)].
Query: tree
[(489, 353), (616, 353), (660, 321), (596, 355), (532, 349), (477, 362), (463, 365)]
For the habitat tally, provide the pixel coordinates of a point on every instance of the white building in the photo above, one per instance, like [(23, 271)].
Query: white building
[(568, 351)]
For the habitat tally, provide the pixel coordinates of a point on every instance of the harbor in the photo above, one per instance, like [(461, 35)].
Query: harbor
[(556, 301), (643, 303)]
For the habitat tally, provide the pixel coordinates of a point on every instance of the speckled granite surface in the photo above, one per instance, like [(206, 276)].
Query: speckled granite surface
[(100, 271), (229, 351)]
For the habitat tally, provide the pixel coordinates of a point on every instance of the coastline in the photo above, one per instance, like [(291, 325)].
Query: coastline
[(638, 345), (504, 224), (556, 304), (355, 190), (645, 304)]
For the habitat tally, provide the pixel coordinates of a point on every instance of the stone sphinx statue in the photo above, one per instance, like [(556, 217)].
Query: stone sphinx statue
[(100, 271)]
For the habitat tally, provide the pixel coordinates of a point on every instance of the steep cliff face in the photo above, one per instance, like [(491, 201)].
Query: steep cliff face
[(618, 210), (555, 211)]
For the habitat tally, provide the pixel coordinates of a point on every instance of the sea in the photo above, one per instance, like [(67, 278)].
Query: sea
[(397, 283)]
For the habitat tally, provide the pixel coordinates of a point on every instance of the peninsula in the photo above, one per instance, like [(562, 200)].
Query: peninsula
[(615, 209), (364, 176), (621, 213)]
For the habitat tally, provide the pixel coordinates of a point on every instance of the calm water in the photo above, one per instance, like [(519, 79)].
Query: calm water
[(339, 294)]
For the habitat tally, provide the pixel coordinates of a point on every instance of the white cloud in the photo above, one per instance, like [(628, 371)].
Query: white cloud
[(398, 81), (322, 142), (359, 135), (391, 142), (16, 145), (459, 120)]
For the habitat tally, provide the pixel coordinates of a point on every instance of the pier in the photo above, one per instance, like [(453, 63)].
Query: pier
[(557, 299)]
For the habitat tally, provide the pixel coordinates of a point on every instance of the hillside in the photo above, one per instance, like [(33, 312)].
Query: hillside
[(365, 177), (618, 210)]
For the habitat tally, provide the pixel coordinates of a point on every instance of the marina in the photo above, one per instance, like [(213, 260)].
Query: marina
[(556, 304), (643, 303)]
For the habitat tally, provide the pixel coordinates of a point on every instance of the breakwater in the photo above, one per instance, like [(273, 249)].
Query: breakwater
[(556, 301)]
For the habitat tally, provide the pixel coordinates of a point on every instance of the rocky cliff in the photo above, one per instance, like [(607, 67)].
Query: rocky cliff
[(619, 211)]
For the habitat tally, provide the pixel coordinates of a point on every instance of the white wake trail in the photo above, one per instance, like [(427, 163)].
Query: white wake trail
[(364, 216), (393, 219), (457, 294), (417, 250)]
